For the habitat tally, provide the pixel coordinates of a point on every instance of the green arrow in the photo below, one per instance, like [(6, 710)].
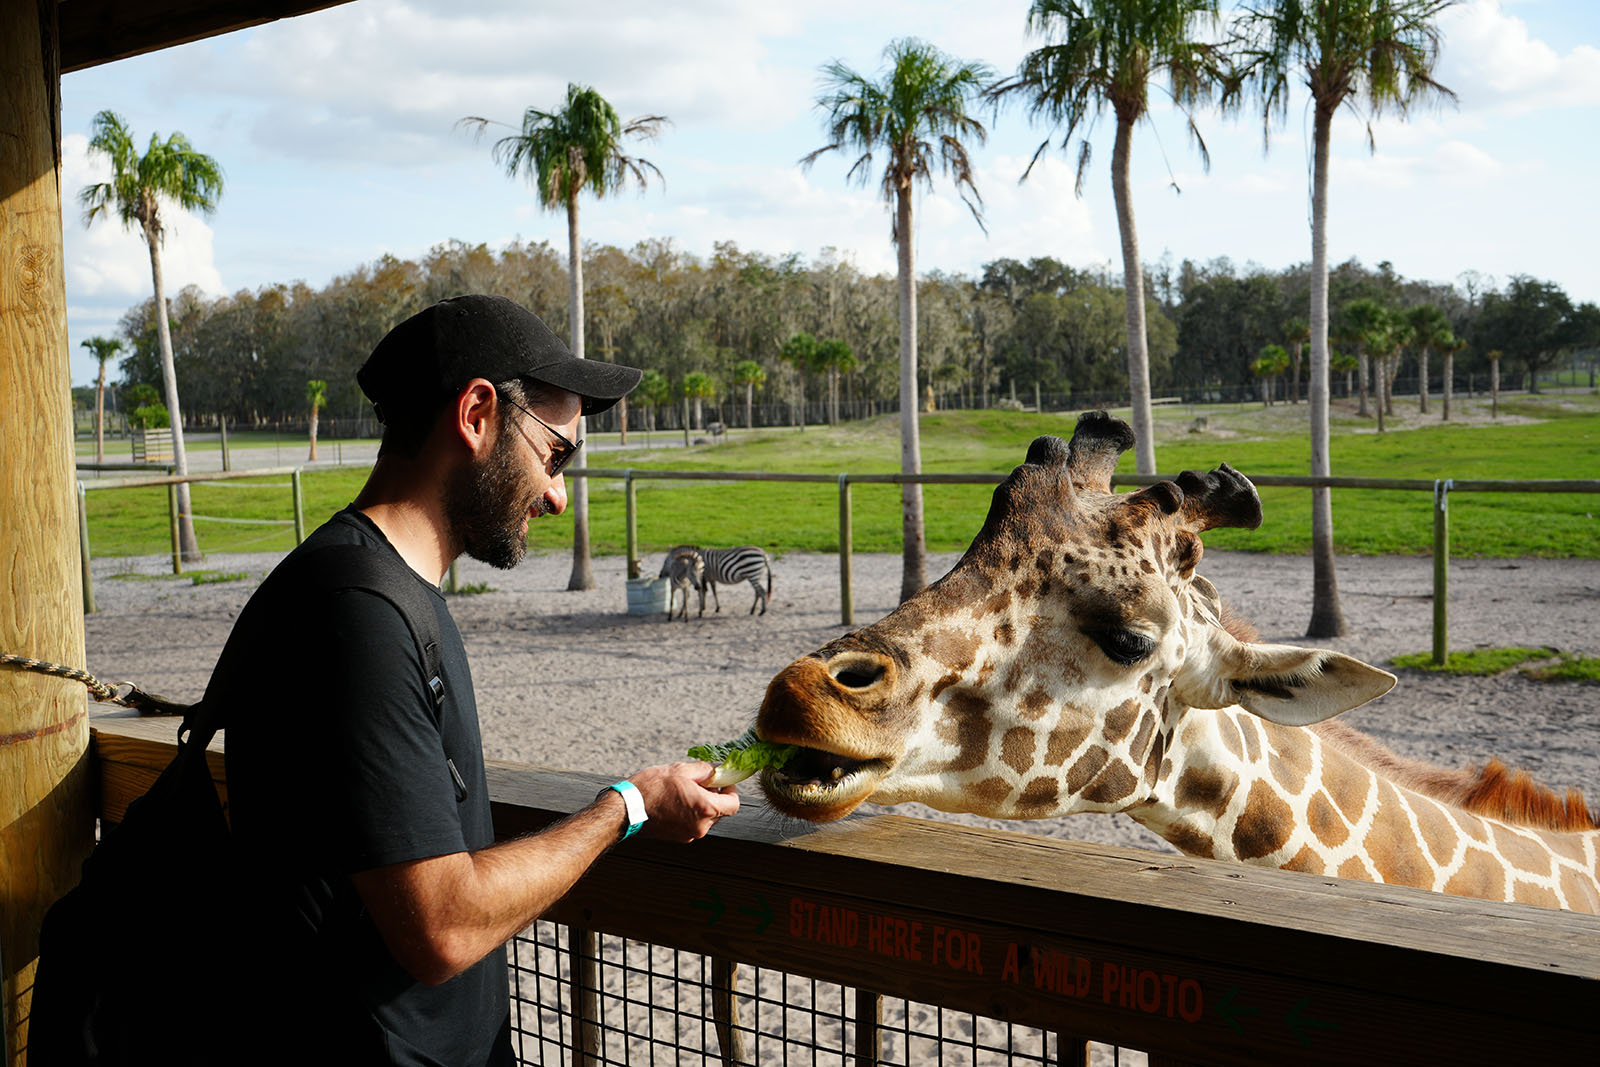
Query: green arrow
[(1228, 1009), (1299, 1022), (715, 906), (764, 913)]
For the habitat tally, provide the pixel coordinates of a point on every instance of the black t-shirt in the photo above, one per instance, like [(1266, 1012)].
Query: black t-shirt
[(339, 762)]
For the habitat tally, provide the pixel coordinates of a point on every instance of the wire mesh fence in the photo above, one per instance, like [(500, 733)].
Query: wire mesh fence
[(598, 999)]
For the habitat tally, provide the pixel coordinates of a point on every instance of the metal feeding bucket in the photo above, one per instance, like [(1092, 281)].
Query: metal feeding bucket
[(648, 596)]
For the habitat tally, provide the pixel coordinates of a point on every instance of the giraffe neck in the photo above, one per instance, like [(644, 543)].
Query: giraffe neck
[(1239, 788)]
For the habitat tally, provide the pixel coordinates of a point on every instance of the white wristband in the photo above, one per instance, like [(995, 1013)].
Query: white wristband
[(634, 802)]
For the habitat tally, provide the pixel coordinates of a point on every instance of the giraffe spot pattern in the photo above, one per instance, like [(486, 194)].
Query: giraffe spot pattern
[(1063, 741), (1327, 826), (1530, 893), (1305, 860), (1230, 737), (1207, 789), (1392, 846), (1264, 825), (963, 725), (1090, 764), (1005, 634), (1191, 841), (1579, 891), (942, 684), (1252, 737), (992, 793), (1480, 875), (954, 648), (1289, 769), (1156, 760), (1016, 749), (1035, 704), (1119, 721), (1354, 868), (1040, 797), (1523, 853), (1438, 833), (1115, 783), (1139, 748)]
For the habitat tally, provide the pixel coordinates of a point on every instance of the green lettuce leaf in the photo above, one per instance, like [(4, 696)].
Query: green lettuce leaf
[(741, 758)]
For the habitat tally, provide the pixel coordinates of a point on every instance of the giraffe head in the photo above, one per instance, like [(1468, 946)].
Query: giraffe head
[(1049, 671)]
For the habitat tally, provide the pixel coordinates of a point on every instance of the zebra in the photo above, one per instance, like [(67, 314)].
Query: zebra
[(684, 569), (746, 563)]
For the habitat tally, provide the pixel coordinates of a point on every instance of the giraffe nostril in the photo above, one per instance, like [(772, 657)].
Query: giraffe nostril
[(858, 675)]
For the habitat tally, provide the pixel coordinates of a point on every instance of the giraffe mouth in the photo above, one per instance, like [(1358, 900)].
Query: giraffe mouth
[(819, 785)]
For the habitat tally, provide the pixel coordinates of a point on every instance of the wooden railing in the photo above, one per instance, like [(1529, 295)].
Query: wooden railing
[(1195, 961)]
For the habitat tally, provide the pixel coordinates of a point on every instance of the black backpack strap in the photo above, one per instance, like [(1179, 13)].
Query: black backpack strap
[(387, 575), (334, 568)]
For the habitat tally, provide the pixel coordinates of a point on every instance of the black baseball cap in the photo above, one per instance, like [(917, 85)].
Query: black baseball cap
[(441, 348)]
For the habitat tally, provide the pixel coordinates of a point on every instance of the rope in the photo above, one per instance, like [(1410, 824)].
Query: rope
[(134, 697)]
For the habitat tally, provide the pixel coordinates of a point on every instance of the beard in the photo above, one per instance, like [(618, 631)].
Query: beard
[(485, 504)]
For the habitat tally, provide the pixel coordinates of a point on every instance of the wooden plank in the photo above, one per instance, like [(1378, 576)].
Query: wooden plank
[(100, 31), (1193, 959)]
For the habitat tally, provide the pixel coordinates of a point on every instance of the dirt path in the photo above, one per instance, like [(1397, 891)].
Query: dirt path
[(570, 680)]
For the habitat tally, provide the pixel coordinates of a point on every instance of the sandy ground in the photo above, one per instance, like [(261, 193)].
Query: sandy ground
[(571, 680)]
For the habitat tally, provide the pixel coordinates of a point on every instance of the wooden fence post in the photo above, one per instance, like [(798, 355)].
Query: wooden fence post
[(299, 506), (584, 949), (869, 1023), (1441, 571), (847, 609), (172, 516), (630, 498), (83, 550), (226, 463)]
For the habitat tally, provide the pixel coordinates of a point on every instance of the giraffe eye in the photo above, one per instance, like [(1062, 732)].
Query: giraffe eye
[(1122, 646)]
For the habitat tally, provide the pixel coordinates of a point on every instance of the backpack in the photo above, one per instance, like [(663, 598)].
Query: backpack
[(142, 962)]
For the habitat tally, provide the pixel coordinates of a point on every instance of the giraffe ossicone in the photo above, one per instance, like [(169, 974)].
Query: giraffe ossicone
[(1074, 661)]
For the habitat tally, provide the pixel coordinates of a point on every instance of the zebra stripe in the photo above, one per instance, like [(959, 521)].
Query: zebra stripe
[(746, 563)]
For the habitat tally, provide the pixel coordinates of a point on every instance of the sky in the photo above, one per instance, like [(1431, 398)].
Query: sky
[(337, 134)]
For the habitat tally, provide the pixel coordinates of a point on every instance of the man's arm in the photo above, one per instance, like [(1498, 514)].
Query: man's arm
[(439, 916)]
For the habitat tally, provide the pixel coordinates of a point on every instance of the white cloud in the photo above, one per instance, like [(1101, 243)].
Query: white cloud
[(1492, 61)]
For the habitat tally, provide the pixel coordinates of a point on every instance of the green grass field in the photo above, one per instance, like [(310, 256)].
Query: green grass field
[(1563, 442)]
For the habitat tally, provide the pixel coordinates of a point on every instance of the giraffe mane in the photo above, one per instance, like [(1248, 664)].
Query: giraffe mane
[(1493, 790)]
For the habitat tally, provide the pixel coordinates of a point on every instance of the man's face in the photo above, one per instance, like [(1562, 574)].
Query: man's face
[(490, 501)]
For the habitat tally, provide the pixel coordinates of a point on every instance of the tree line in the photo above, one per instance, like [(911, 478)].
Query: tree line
[(786, 335)]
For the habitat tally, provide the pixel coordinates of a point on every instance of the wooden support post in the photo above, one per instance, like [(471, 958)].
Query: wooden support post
[(46, 821), (223, 422), (630, 496), (1072, 1050), (83, 550), (1441, 571), (583, 946), (452, 581), (847, 608), (869, 1023), (299, 506), (725, 1013), (172, 516)]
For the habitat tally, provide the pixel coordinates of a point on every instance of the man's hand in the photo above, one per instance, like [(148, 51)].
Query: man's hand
[(680, 807)]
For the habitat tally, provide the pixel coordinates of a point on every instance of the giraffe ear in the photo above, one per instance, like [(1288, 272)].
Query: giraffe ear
[(1284, 684)]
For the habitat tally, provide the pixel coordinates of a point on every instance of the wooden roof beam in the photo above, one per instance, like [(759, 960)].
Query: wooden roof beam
[(92, 32)]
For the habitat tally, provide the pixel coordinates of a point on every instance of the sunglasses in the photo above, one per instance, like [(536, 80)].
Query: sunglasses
[(562, 451)]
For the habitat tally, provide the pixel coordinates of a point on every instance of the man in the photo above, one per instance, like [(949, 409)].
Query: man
[(360, 808)]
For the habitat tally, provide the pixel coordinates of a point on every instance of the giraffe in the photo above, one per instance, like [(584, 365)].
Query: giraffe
[(1074, 661)]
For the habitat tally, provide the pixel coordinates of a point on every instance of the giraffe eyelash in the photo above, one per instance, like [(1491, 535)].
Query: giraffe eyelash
[(1122, 646)]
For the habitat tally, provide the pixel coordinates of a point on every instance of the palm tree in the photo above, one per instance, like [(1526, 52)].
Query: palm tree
[(800, 352), (1100, 53), (1377, 52), (748, 373), (1449, 347), (316, 396), (1272, 362), (833, 357), (1361, 325), (1297, 331), (917, 114), (103, 348), (565, 153), (697, 388), (171, 171), (1429, 330)]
